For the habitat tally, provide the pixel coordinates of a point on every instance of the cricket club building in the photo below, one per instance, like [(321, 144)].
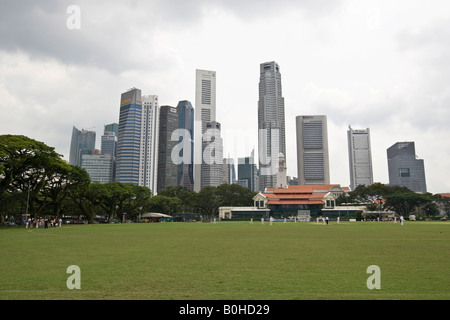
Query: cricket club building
[(304, 202)]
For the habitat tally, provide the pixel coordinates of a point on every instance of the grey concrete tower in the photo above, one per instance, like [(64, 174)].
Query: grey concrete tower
[(271, 124)]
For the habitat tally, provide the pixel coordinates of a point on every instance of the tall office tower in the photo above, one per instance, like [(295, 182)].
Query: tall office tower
[(98, 166), (167, 167), (186, 122), (83, 142), (148, 165), (312, 150), (360, 157), (229, 172), (212, 166), (109, 143), (112, 127), (109, 147), (247, 171), (129, 139), (404, 168), (271, 124), (185, 176), (205, 111)]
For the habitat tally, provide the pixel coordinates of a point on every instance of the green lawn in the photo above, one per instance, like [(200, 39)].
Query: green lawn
[(228, 260)]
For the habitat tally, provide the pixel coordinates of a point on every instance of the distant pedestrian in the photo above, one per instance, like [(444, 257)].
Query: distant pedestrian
[(251, 221), (271, 220), (338, 220), (326, 220), (402, 220), (262, 220), (46, 224), (60, 220)]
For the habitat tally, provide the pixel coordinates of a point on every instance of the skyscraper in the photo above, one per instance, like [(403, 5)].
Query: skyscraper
[(186, 122), (404, 168), (360, 157), (212, 150), (98, 166), (167, 168), (229, 172), (312, 150), (109, 143), (148, 165), (205, 111), (112, 127), (271, 124), (247, 171), (83, 142), (129, 139)]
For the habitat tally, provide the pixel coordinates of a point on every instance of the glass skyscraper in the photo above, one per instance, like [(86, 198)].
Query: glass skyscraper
[(404, 168), (186, 121), (128, 143), (167, 168), (83, 142)]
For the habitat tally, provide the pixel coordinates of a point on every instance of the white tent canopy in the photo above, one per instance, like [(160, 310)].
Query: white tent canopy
[(155, 215)]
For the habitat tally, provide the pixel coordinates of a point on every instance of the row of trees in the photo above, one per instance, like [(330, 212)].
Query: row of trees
[(402, 200), (35, 179)]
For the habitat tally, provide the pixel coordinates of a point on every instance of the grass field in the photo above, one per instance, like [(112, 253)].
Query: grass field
[(228, 260)]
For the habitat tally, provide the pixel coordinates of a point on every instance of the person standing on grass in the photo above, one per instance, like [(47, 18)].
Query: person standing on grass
[(402, 220), (326, 220)]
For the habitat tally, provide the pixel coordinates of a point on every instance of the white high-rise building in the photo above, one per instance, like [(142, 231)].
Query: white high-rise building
[(313, 163), (360, 157), (148, 163), (205, 111)]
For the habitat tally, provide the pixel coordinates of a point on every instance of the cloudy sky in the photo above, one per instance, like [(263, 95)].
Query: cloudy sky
[(382, 65)]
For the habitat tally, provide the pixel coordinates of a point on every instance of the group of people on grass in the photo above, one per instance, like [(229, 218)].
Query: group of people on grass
[(38, 222)]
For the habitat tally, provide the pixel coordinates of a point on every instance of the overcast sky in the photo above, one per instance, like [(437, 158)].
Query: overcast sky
[(382, 65)]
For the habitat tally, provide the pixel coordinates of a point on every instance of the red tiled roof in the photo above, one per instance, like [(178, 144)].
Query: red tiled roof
[(445, 195), (306, 188), (295, 202), (301, 194), (287, 196)]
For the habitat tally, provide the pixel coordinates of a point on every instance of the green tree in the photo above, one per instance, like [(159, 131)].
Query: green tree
[(234, 195), (187, 197), (207, 201), (25, 165), (406, 202), (165, 204)]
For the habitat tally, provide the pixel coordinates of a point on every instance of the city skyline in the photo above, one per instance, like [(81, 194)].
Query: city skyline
[(378, 64)]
